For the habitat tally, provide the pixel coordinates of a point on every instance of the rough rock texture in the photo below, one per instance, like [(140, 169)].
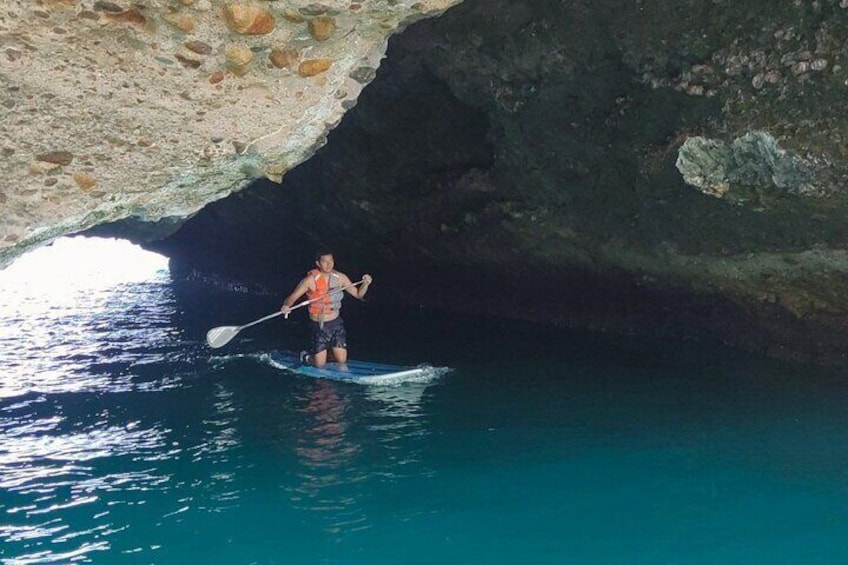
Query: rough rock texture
[(110, 110), (673, 166), (665, 167)]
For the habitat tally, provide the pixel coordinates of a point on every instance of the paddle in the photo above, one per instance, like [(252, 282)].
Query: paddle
[(222, 335)]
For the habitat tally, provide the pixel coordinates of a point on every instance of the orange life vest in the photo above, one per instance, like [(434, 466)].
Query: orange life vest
[(323, 287)]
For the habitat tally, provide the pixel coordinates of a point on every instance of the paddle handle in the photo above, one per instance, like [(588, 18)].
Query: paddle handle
[(307, 302)]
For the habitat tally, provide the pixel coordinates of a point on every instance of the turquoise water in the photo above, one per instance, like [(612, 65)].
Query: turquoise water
[(123, 439)]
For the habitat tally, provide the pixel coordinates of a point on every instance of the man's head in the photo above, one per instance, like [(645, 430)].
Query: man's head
[(324, 261)]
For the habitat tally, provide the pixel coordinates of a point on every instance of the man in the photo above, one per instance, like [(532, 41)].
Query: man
[(328, 287)]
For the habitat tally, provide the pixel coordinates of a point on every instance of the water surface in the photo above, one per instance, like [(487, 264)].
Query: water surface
[(124, 439)]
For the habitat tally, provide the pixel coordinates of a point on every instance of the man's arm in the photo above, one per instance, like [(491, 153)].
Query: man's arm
[(299, 291), (356, 291)]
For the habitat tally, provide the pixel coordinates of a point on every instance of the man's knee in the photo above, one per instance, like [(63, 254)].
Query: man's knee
[(340, 354), (319, 359)]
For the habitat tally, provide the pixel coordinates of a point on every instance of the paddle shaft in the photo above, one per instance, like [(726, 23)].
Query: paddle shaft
[(300, 305), (220, 336)]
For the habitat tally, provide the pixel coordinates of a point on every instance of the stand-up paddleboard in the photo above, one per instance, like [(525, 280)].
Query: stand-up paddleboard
[(352, 371)]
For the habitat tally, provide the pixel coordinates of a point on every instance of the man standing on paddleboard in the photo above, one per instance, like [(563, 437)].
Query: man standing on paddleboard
[(325, 288)]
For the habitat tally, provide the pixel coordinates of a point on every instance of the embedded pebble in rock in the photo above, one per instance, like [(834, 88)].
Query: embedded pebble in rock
[(322, 28), (819, 64), (314, 67), (56, 157), (198, 47), (183, 22), (248, 19), (283, 59), (84, 181), (107, 7), (800, 67), (363, 75), (132, 16), (293, 17), (186, 62), (315, 9), (773, 77), (238, 58)]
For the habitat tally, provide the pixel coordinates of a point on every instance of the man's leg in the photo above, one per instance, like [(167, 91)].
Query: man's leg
[(339, 354), (320, 342), (319, 359), (338, 341)]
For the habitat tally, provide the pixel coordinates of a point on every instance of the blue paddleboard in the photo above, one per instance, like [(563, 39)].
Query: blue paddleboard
[(352, 371)]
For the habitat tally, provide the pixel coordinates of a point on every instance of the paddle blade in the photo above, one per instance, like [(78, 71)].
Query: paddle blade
[(221, 336)]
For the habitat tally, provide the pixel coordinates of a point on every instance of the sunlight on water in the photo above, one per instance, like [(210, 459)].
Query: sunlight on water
[(78, 318), (75, 263), (70, 305)]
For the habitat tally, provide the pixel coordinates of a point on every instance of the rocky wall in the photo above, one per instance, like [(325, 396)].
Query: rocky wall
[(667, 167)]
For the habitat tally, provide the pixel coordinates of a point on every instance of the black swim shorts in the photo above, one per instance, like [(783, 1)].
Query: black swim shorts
[(331, 335)]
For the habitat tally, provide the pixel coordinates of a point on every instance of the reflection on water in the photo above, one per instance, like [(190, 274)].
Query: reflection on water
[(352, 445), (327, 451), (324, 445)]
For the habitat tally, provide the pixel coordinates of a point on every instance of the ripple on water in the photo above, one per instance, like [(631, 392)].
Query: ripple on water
[(86, 340), (111, 439), (58, 354)]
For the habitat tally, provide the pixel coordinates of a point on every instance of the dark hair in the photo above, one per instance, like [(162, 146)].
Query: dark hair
[(321, 252)]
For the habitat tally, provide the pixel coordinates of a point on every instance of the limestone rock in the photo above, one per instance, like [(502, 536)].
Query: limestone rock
[(134, 92), (752, 169)]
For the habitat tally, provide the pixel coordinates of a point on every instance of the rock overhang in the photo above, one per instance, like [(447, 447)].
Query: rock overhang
[(117, 110)]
